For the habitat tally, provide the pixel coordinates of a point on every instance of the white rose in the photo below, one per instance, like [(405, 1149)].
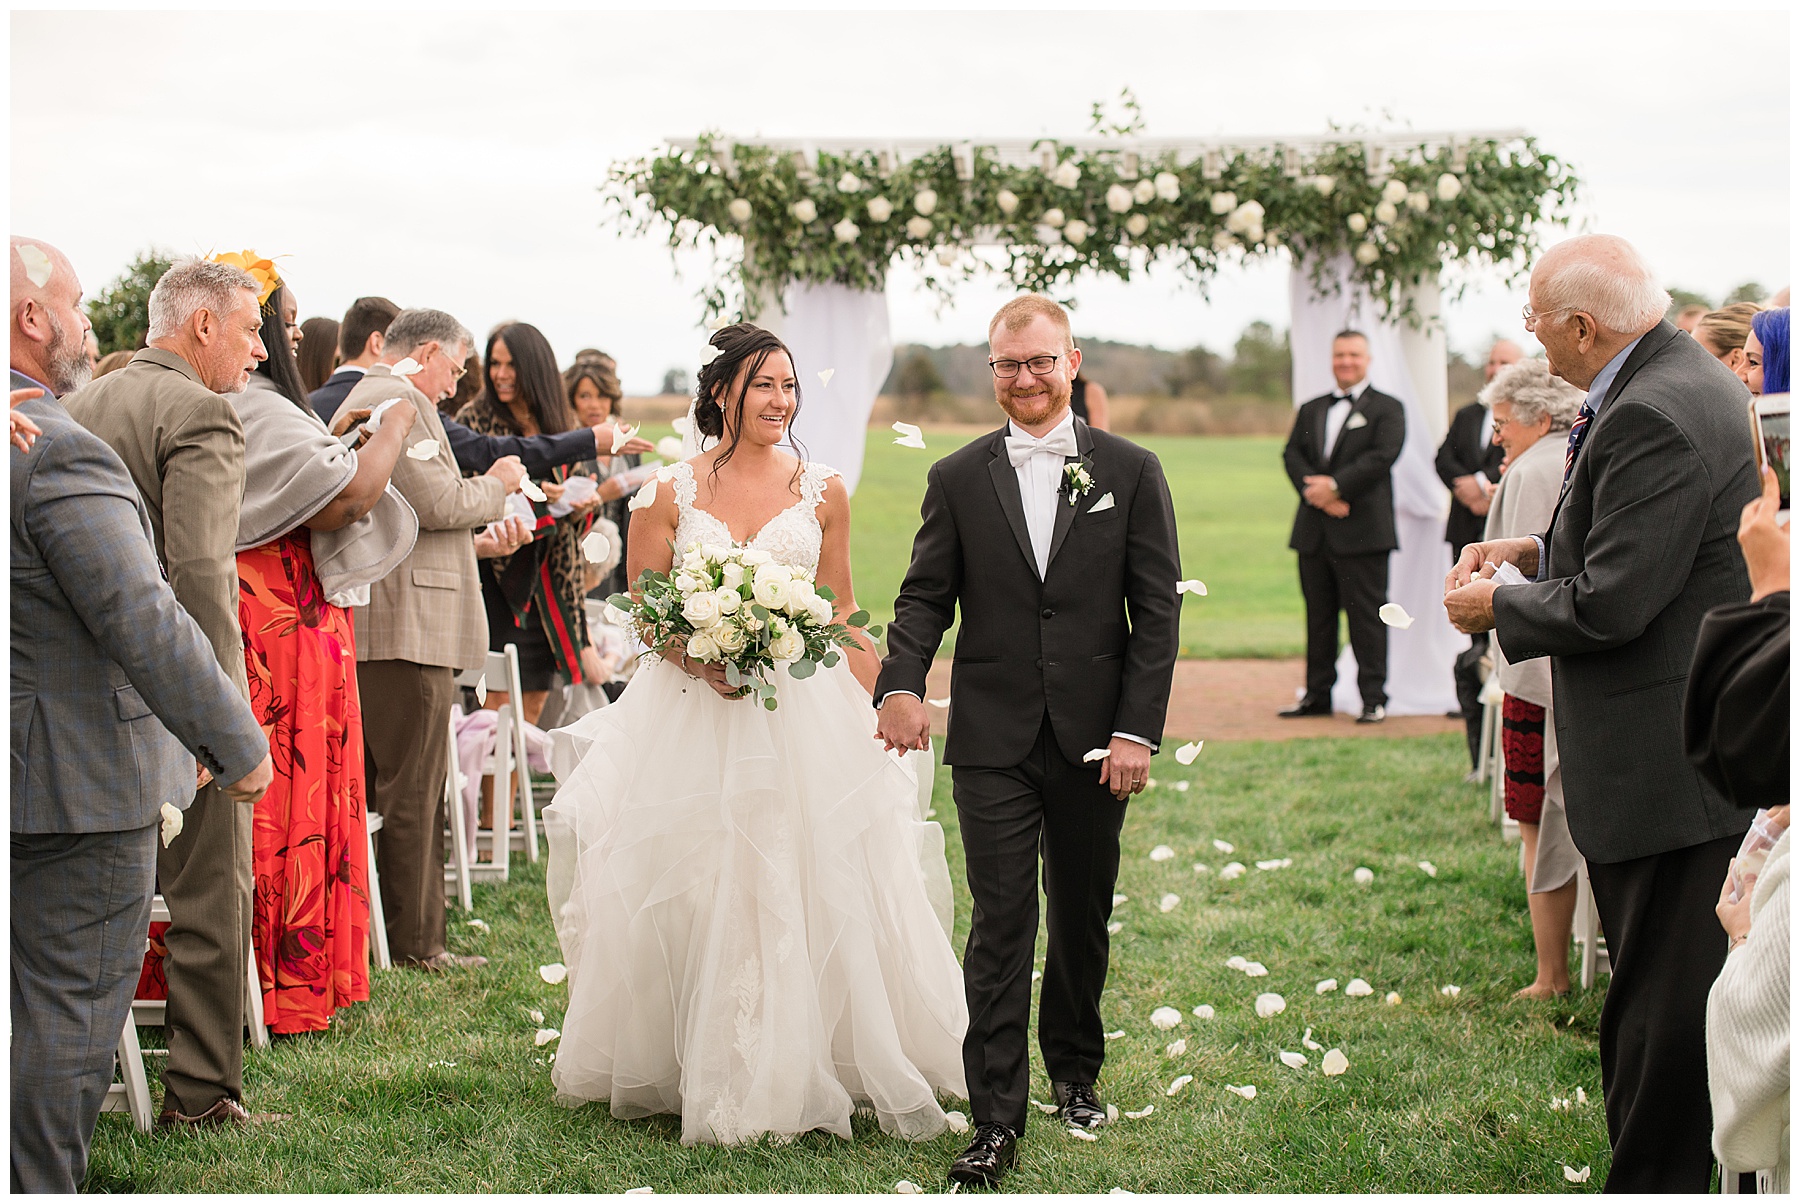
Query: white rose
[(702, 647), (880, 209), (925, 201), (693, 558), (1008, 200), (918, 227), (714, 552), (800, 595), (804, 210), (1418, 202), (739, 210), (1222, 241), (787, 647), (1448, 187), (731, 574), (753, 557), (1394, 191), (845, 231), (821, 611), (1076, 231), (686, 582), (1357, 223), (1118, 198), (1168, 186), (1053, 218), (774, 570), (1223, 202), (770, 592), (1143, 192), (849, 183), (730, 638), (1324, 184), (1253, 233), (1066, 174), (729, 600), (1136, 224), (1367, 253), (702, 609), (948, 255), (1386, 213)]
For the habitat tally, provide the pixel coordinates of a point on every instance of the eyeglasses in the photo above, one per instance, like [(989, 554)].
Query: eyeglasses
[(1533, 317), (457, 371), (1039, 365)]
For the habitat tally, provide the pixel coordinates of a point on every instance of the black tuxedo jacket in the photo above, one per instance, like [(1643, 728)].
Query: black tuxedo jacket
[(1362, 464), (1463, 454), (1093, 644), (1642, 544)]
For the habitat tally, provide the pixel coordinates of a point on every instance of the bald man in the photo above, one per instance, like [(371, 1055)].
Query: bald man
[(1642, 544)]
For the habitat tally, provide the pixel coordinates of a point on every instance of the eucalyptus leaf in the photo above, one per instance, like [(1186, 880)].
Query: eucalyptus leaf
[(825, 592), (803, 669), (857, 619), (829, 660)]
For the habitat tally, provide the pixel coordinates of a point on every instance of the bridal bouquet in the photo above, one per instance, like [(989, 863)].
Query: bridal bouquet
[(741, 607)]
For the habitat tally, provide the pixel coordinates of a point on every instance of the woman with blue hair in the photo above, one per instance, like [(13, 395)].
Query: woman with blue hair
[(1765, 365)]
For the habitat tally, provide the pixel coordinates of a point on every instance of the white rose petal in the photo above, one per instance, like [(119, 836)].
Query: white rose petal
[(918, 227), (1576, 1176), (804, 210), (1451, 991), (1324, 987), (1042, 1107), (1165, 1018), (424, 449), (825, 375), (1081, 1134), (669, 447), (172, 816), (1358, 988), (1096, 754), (1448, 187), (406, 367), (1118, 198), (553, 973), (1066, 175), (1394, 615), (38, 265), (1224, 846), (682, 425), (1169, 903), (739, 208), (545, 1036), (1236, 961), (480, 925), (1187, 752), (906, 1187), (708, 354), (1115, 1035), (1136, 224), (1115, 928), (1233, 869), (1307, 1041), (1256, 970), (1387, 213), (530, 489), (1293, 1061), (1195, 587), (1581, 1095), (1119, 900), (1008, 200), (1270, 1004), (1204, 1011), (1178, 1084), (1334, 1062), (957, 1122), (1053, 218), (1393, 192), (1223, 203), (1278, 863), (1181, 786), (1146, 1110), (1430, 869), (846, 231), (1076, 231), (1162, 852), (1363, 875), (1247, 1091), (1176, 1048), (1393, 997), (1200, 867), (910, 436), (1356, 223), (925, 201), (879, 209)]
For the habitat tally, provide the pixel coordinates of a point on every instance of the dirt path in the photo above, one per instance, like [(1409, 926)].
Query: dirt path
[(1237, 700)]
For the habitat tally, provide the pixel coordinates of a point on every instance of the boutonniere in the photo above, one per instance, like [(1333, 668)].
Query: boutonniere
[(1357, 421), (1077, 481)]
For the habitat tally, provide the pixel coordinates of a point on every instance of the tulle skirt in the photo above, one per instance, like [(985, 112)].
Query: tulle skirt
[(754, 915)]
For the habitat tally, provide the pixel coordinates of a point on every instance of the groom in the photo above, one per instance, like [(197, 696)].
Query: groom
[(1058, 542)]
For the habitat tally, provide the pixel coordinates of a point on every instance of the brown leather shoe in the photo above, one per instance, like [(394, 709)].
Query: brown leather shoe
[(227, 1112), (446, 961)]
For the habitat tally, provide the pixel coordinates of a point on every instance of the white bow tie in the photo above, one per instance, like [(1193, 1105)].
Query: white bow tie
[(1059, 443)]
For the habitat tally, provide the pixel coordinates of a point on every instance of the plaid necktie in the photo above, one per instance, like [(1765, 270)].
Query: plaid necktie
[(1577, 434)]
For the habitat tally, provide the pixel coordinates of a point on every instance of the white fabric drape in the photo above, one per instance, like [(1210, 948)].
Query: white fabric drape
[(843, 330), (1410, 365)]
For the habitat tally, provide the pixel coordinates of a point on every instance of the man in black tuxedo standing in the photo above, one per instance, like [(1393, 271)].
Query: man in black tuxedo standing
[(1340, 456), (1058, 543), (1468, 463), (1641, 545)]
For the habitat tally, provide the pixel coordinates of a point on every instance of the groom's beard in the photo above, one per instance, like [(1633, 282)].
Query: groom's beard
[(1038, 404)]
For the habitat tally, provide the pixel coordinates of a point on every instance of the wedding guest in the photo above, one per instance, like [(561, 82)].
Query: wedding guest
[(317, 527), (1764, 368), (1530, 410), (598, 358), (423, 622), (360, 339), (112, 361), (1089, 401), (1657, 469), (168, 416), (1340, 457), (1690, 316), (1725, 331), (318, 355), (595, 396), (468, 388), (91, 347), (533, 598), (1468, 463), (117, 695)]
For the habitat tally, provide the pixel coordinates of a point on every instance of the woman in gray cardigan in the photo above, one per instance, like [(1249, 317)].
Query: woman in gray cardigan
[(1532, 410)]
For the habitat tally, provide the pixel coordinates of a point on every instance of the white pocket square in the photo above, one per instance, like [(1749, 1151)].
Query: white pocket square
[(1105, 503), (1356, 420)]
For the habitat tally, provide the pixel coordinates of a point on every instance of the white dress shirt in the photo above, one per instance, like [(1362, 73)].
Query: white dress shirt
[(1339, 413), (1040, 478)]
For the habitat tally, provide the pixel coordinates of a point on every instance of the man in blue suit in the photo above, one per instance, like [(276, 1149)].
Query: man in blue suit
[(118, 705)]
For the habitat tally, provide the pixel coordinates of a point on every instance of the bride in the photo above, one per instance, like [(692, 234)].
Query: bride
[(751, 939)]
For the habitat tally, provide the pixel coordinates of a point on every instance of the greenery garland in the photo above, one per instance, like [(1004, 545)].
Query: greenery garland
[(770, 220)]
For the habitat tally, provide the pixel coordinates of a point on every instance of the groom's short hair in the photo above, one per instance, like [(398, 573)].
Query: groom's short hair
[(1020, 312)]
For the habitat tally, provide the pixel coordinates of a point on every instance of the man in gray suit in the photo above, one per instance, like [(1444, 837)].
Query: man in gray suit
[(117, 702), (1641, 545)]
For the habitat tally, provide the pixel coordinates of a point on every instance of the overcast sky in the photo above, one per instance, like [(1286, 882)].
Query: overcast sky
[(452, 159)]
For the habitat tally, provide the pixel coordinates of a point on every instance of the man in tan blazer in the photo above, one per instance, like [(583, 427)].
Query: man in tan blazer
[(165, 415), (423, 623)]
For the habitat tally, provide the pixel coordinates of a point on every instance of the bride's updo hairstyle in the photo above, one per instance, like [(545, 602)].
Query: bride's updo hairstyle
[(743, 350)]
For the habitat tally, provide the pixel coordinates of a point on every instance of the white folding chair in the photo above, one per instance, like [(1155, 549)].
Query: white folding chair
[(506, 665), (154, 1012), (132, 1092), (457, 871), (1587, 935), (377, 913)]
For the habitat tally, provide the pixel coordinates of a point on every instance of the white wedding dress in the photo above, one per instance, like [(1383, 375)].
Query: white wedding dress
[(751, 908)]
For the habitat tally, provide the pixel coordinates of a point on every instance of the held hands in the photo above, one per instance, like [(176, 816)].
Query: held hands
[(1319, 491), (1471, 608), (902, 723), (1127, 770), (1336, 509), (253, 785), (1765, 541), (502, 537), (508, 471)]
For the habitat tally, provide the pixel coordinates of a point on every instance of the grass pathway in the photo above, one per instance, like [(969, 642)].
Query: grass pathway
[(435, 1085)]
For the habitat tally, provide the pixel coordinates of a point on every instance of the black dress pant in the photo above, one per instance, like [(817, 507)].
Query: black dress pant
[(1008, 816), (1356, 585), (1666, 948)]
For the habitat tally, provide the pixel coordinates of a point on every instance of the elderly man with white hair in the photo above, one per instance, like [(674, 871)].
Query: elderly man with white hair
[(1641, 545), (165, 415)]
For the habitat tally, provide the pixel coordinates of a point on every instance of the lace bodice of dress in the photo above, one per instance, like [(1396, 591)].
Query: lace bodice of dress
[(792, 537)]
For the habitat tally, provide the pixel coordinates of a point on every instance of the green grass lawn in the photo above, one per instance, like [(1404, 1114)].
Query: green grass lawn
[(435, 1084)]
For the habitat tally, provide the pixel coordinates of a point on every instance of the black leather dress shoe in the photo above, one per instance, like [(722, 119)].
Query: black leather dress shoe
[(1078, 1106), (990, 1155), (1372, 715), (1306, 708)]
